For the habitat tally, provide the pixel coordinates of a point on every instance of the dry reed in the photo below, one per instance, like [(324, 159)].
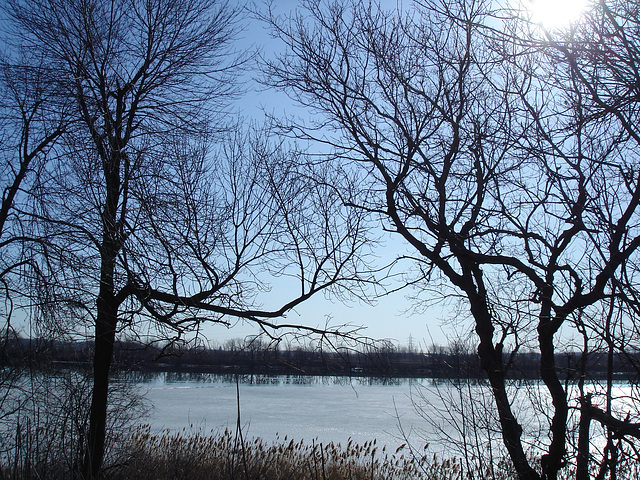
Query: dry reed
[(197, 456)]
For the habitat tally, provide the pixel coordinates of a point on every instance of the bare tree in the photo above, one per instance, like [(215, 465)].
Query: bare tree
[(597, 61), (506, 160), (157, 219), (30, 124)]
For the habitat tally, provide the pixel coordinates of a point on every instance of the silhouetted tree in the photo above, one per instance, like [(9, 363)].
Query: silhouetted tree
[(30, 123), (506, 158), (155, 207)]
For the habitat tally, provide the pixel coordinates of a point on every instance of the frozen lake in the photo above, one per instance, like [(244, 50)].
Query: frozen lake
[(336, 409), (323, 408)]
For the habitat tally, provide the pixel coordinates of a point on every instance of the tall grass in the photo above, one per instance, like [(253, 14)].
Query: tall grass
[(197, 456), (225, 456)]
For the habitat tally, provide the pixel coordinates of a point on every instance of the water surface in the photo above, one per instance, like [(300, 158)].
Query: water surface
[(326, 409)]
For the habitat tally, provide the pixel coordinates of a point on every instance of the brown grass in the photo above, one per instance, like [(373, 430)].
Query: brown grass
[(195, 456)]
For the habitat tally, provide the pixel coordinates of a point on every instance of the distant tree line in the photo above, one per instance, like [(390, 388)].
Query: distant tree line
[(258, 357)]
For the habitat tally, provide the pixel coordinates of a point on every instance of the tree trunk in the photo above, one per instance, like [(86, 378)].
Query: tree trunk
[(582, 467), (106, 322), (104, 340), (552, 462), (509, 426), (491, 361)]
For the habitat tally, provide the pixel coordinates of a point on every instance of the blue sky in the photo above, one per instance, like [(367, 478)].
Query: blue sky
[(389, 317)]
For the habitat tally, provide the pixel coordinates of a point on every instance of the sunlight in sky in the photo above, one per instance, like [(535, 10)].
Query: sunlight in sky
[(552, 14)]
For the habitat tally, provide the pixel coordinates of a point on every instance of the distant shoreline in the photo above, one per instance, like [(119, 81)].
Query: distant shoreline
[(260, 359)]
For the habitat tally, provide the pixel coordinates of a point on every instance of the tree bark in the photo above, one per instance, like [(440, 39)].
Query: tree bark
[(552, 462), (491, 361), (510, 428), (104, 340), (106, 324), (106, 320), (582, 467)]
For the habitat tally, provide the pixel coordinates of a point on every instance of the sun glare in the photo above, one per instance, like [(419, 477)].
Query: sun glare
[(552, 14)]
